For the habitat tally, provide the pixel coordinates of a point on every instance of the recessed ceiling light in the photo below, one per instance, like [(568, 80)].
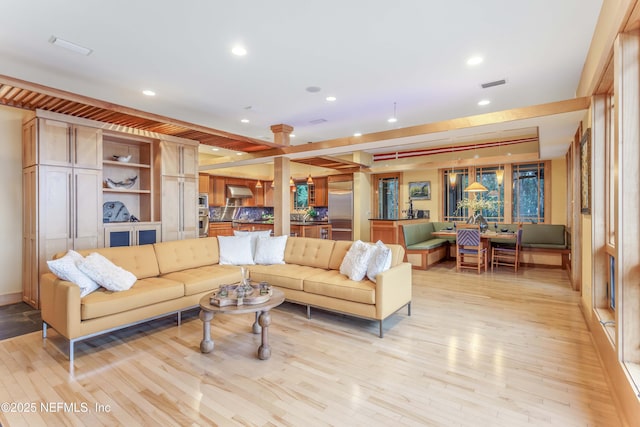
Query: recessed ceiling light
[(239, 50), (70, 46), (392, 120), (215, 149), (475, 60), (239, 154), (148, 92), (357, 134), (330, 98), (484, 102), (244, 120), (292, 135)]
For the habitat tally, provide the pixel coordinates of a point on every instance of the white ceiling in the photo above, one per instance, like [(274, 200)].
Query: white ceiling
[(369, 54)]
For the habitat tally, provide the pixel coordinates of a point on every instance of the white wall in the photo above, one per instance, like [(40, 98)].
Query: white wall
[(11, 205)]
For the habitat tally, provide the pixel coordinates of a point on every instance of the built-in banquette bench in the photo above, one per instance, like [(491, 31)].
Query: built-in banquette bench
[(542, 244)]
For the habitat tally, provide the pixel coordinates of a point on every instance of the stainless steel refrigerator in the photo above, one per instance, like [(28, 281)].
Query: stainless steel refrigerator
[(341, 209)]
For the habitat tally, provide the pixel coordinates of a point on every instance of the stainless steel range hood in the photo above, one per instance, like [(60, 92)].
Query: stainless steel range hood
[(239, 192)]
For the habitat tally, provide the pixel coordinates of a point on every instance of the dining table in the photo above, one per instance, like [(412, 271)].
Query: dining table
[(485, 237)]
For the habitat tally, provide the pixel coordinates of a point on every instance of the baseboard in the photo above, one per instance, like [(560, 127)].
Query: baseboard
[(13, 298)]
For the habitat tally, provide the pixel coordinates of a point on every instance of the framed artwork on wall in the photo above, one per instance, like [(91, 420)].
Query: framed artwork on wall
[(585, 172), (420, 190)]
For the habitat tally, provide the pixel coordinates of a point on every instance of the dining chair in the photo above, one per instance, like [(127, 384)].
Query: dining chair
[(470, 252), (508, 256)]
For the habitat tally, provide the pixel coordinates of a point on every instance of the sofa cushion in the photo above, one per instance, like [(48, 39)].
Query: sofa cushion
[(207, 278), (306, 251), (355, 262), (333, 284), (235, 250), (66, 268), (270, 250), (340, 249), (380, 261), (288, 276), (178, 255), (139, 260), (106, 274), (144, 292)]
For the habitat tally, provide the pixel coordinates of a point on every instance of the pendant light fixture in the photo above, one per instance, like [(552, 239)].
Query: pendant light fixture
[(394, 118), (292, 184), (309, 180), (452, 174), (475, 187), (500, 171), (259, 184)]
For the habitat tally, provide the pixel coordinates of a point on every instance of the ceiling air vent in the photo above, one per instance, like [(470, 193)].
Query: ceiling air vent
[(317, 121), (492, 84)]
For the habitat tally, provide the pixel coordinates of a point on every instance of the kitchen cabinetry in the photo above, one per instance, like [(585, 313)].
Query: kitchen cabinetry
[(318, 192), (62, 197), (388, 230), (318, 231), (130, 234), (204, 183), (217, 195), (220, 229), (179, 190)]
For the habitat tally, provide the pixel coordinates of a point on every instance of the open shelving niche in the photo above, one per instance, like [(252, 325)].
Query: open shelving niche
[(140, 199)]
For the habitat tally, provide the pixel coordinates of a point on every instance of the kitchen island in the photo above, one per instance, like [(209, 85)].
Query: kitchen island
[(388, 229), (317, 229)]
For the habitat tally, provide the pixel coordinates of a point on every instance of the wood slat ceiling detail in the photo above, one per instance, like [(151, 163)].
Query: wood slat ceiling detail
[(29, 99), (335, 163)]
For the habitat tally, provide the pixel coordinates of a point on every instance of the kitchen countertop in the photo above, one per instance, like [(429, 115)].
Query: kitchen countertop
[(397, 219), (243, 221)]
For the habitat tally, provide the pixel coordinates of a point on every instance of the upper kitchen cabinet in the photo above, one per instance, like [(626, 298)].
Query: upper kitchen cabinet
[(57, 143), (318, 192), (217, 195), (204, 183), (179, 159)]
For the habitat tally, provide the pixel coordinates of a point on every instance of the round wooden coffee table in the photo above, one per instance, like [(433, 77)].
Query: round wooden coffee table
[(261, 324)]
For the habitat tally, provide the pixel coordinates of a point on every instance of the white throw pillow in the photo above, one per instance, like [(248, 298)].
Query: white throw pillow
[(356, 261), (254, 237), (270, 250), (66, 268), (235, 250), (380, 261), (106, 273)]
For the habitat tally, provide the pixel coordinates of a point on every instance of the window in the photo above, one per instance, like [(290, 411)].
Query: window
[(301, 196), (387, 193), (454, 193), (528, 193), (487, 176)]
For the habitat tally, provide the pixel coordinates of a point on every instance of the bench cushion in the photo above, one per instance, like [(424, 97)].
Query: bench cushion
[(543, 234), (428, 244), (416, 233)]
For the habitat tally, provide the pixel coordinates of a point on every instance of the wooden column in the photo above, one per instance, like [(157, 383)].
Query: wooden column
[(627, 200), (281, 191)]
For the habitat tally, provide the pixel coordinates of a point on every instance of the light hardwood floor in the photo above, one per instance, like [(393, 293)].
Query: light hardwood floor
[(496, 349)]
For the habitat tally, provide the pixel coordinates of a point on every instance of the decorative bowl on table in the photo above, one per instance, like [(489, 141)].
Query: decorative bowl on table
[(449, 228), (504, 230)]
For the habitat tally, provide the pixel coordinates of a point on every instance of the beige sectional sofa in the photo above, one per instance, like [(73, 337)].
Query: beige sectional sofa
[(174, 276)]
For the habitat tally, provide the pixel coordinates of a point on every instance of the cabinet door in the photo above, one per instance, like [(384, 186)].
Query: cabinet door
[(170, 154), (170, 208), (118, 236), (87, 215), (54, 143), (189, 208), (55, 206), (147, 234), (218, 198), (321, 190), (30, 272), (87, 147), (204, 183), (190, 161), (29, 144)]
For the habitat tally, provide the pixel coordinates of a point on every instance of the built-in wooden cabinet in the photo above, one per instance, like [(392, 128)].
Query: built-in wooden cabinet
[(62, 191), (318, 192), (217, 196), (179, 194), (220, 229), (131, 234), (204, 183)]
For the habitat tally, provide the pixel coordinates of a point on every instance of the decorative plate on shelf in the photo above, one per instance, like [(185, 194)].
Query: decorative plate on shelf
[(123, 159)]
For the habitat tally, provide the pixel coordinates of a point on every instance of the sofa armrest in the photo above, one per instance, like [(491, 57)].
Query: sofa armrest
[(60, 305), (393, 290)]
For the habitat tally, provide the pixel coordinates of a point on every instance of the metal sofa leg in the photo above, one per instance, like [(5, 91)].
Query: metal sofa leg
[(179, 318), (44, 330), (381, 330), (409, 309), (308, 312)]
